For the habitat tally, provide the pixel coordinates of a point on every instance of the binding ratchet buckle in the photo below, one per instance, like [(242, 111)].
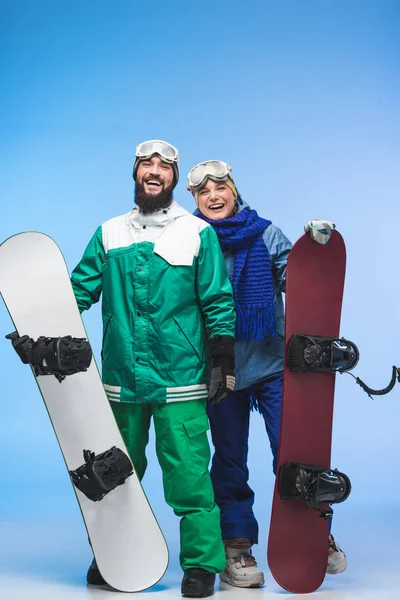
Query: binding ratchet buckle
[(321, 354), (101, 474), (318, 487)]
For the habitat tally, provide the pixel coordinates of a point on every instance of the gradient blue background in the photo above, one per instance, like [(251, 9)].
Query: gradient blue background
[(302, 99)]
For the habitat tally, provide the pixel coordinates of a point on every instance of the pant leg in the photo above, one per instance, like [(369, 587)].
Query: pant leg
[(229, 421), (133, 421), (183, 452), (269, 399)]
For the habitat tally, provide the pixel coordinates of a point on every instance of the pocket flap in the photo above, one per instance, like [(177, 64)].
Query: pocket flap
[(173, 256), (197, 426)]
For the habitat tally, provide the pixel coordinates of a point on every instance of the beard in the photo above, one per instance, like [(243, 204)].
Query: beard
[(150, 203)]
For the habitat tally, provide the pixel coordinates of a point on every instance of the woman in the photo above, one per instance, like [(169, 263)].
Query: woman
[(256, 253)]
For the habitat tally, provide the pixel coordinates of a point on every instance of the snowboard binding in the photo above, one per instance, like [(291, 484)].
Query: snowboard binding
[(316, 354), (314, 486), (101, 474), (58, 356)]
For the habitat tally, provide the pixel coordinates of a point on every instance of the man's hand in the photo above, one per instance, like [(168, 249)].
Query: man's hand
[(22, 346), (222, 380), (319, 230)]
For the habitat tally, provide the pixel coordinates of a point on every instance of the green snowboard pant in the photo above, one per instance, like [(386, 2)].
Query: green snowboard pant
[(183, 453)]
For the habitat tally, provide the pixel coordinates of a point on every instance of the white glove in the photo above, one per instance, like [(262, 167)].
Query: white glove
[(319, 230)]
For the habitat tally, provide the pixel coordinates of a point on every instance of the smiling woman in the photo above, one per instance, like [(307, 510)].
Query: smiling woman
[(256, 253), (216, 200), (213, 188)]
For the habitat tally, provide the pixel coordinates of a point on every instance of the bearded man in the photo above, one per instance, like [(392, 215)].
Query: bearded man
[(167, 306)]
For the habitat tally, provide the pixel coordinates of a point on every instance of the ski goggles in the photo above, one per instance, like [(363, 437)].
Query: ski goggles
[(167, 153), (217, 170)]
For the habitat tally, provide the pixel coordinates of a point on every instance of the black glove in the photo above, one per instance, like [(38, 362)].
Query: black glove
[(222, 379), (22, 346)]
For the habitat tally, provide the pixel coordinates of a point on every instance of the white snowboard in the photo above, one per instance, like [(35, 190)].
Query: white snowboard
[(128, 544)]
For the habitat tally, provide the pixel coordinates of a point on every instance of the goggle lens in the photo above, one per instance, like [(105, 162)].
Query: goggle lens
[(166, 151), (212, 168)]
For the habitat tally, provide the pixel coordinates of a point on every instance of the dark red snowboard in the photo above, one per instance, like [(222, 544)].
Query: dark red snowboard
[(298, 536)]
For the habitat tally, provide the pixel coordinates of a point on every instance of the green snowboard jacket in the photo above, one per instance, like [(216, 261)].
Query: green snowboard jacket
[(165, 291)]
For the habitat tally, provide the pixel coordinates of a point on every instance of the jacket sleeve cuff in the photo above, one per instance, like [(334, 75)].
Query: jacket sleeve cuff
[(222, 348)]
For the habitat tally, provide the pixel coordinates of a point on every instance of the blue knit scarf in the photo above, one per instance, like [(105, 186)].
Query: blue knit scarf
[(252, 278)]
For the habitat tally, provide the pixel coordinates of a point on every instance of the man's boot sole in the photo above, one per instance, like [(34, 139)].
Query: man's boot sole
[(191, 591)]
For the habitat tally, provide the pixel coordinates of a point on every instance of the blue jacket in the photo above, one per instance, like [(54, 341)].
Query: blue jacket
[(257, 360)]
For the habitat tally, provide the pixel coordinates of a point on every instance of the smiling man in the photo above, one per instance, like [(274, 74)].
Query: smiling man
[(167, 303)]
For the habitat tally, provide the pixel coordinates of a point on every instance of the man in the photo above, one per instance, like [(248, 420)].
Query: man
[(166, 303)]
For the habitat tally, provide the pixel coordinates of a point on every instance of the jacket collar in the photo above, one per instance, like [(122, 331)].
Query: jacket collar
[(159, 218)]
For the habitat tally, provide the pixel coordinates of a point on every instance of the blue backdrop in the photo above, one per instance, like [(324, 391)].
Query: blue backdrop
[(301, 98)]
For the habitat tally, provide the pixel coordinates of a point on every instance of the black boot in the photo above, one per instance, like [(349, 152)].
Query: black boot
[(197, 583), (94, 576)]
